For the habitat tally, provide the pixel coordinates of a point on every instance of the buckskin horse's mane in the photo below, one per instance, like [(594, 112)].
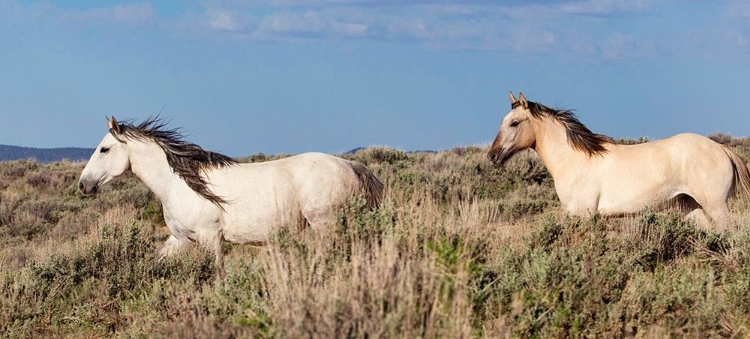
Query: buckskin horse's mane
[(579, 136)]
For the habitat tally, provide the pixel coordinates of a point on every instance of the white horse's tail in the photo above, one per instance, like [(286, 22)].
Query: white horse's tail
[(741, 173), (369, 183)]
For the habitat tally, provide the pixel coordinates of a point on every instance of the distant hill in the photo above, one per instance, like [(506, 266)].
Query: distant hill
[(44, 155)]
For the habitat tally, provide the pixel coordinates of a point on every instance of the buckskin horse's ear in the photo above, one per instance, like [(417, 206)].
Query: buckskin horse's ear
[(114, 126), (522, 98), (512, 98)]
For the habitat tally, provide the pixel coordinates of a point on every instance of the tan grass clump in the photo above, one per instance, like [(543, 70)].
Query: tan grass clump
[(459, 248)]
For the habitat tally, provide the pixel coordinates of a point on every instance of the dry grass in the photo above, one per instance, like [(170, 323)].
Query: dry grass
[(458, 249)]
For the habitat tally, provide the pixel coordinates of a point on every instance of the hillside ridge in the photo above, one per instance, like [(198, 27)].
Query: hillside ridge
[(44, 155)]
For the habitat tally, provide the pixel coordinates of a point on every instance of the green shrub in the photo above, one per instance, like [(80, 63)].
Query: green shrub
[(380, 155), (459, 248)]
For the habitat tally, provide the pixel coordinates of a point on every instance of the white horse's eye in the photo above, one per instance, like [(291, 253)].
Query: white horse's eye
[(104, 150)]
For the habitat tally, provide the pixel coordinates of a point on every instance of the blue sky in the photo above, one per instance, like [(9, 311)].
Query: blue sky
[(289, 76)]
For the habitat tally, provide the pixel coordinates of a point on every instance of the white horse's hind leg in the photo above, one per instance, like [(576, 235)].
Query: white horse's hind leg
[(320, 223), (320, 215), (320, 220), (172, 246)]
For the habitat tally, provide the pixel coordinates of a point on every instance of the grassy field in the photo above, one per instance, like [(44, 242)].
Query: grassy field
[(458, 249)]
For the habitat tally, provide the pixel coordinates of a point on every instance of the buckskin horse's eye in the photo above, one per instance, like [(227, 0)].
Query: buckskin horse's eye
[(514, 123)]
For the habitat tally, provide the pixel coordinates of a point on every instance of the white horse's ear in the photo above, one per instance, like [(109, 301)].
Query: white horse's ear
[(522, 98), (512, 98), (114, 126)]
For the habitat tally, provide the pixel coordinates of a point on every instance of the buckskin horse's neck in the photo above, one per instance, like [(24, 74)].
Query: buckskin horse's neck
[(553, 148)]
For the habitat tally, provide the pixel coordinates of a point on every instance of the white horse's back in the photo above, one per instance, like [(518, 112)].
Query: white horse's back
[(294, 191), (208, 197)]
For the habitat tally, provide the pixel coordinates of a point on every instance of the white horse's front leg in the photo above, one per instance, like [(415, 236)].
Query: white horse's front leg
[(172, 246), (211, 241)]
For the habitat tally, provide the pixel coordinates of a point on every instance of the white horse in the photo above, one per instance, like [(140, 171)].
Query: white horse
[(594, 174), (208, 197)]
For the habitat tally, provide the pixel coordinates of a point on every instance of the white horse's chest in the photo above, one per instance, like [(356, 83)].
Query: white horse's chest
[(176, 227), (191, 220)]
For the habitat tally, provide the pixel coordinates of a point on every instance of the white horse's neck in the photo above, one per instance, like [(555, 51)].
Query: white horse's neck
[(554, 150), (149, 162)]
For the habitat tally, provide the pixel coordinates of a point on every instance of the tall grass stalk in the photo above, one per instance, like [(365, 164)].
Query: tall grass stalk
[(459, 248)]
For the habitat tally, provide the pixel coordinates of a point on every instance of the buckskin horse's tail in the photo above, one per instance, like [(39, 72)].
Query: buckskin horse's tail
[(741, 173), (371, 187)]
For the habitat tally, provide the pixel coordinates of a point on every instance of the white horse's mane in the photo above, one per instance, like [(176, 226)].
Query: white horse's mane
[(187, 160)]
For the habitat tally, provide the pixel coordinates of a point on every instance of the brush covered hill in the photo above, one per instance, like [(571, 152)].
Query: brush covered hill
[(458, 249), (44, 155)]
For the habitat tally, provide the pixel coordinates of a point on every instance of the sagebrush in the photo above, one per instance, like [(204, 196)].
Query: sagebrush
[(459, 248)]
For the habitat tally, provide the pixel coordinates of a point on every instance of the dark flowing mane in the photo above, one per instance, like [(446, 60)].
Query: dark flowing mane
[(579, 136), (187, 160)]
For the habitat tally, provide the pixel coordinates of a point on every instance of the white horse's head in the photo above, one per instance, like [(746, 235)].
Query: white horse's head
[(110, 160), (516, 131)]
